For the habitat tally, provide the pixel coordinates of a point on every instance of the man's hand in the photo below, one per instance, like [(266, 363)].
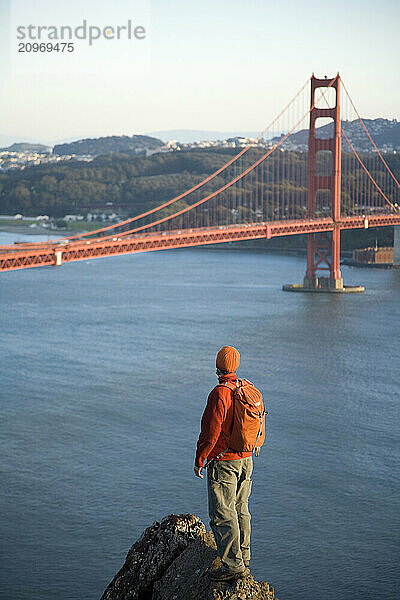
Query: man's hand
[(198, 472)]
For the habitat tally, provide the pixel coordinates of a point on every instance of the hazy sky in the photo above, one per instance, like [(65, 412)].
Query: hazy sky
[(205, 64)]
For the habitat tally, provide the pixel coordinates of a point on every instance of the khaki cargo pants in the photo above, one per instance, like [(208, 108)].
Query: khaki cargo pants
[(229, 487)]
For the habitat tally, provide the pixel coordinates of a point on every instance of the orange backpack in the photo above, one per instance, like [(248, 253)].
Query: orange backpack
[(248, 430)]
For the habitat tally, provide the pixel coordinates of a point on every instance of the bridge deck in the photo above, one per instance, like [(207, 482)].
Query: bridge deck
[(25, 256)]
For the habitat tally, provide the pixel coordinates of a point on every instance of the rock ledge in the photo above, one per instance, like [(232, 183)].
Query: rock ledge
[(171, 561)]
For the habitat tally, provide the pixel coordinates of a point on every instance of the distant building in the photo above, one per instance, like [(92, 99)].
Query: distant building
[(373, 256), (71, 218)]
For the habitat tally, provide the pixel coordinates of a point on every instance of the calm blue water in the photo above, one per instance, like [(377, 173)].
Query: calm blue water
[(105, 369)]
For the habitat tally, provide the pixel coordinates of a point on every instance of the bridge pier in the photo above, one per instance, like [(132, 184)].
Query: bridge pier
[(396, 247), (326, 284), (323, 253)]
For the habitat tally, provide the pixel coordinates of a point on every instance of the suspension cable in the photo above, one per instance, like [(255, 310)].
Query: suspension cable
[(368, 173), (368, 134), (198, 185), (359, 159), (230, 183)]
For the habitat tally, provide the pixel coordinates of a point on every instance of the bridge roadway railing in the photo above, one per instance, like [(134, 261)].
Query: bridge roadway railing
[(56, 253)]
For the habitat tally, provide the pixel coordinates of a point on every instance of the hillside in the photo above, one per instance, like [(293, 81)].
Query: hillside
[(129, 183), (26, 147), (384, 132), (136, 144)]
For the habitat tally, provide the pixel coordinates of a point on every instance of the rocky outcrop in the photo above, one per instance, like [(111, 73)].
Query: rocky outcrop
[(150, 557), (187, 577), (171, 561)]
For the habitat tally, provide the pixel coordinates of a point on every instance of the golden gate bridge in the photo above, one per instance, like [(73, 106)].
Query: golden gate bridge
[(290, 185)]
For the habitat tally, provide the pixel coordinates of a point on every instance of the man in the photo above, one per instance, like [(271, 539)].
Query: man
[(228, 473)]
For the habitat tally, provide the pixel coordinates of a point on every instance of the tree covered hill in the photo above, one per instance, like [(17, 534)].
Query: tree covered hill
[(131, 184), (137, 144), (27, 147)]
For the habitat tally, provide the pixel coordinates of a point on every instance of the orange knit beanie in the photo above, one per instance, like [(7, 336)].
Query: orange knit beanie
[(228, 359)]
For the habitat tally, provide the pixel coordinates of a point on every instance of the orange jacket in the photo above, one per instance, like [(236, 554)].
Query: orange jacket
[(216, 421)]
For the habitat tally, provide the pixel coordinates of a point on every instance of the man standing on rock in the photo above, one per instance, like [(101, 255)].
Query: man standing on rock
[(228, 471)]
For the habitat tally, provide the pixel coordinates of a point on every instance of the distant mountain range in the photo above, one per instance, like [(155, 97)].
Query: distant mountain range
[(385, 133)]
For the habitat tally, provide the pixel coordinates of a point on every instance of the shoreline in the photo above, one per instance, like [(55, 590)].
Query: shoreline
[(39, 231)]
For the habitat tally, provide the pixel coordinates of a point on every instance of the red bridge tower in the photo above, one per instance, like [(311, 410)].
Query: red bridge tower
[(323, 249)]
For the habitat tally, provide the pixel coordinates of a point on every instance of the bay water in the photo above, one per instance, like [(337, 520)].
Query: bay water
[(105, 370)]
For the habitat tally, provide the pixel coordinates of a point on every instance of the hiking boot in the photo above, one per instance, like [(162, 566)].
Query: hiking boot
[(226, 575)]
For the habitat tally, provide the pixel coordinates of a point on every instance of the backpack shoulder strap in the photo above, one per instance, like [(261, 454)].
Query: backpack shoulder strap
[(231, 385)]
